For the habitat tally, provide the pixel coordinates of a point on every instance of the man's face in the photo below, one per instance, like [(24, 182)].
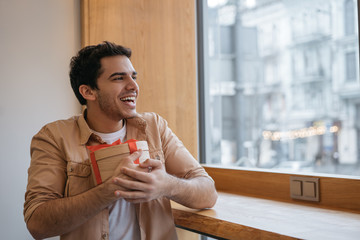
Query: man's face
[(118, 89)]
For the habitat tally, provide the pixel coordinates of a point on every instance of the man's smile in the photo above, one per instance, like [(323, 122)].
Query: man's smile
[(128, 99)]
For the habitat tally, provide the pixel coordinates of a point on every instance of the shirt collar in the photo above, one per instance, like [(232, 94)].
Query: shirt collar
[(85, 131), (137, 122)]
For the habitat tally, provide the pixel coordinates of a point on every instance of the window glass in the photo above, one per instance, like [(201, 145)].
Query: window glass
[(349, 17), (281, 84), (351, 66)]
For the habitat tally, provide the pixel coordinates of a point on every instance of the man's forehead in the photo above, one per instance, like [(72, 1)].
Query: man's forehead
[(117, 64)]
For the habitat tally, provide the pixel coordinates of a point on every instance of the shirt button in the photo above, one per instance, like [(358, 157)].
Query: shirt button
[(157, 157), (71, 169)]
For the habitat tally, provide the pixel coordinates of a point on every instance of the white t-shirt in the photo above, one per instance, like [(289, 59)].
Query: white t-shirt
[(123, 222)]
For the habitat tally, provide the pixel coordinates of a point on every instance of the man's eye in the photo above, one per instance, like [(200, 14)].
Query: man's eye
[(134, 77), (119, 78)]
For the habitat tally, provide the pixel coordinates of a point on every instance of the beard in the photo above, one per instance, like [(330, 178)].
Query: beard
[(110, 107)]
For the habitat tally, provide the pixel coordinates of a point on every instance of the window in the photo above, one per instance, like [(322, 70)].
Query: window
[(350, 61), (273, 85), (349, 17)]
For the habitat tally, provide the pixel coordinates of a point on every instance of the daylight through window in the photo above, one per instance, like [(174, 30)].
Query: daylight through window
[(281, 84)]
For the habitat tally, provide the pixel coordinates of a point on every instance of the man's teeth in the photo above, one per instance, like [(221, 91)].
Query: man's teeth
[(128, 99)]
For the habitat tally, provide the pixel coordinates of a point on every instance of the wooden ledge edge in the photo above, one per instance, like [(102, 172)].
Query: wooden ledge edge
[(219, 228)]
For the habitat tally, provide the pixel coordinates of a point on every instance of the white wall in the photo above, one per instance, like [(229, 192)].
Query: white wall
[(37, 40)]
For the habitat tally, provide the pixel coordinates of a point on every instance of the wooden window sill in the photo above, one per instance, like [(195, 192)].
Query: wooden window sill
[(241, 217), (336, 192)]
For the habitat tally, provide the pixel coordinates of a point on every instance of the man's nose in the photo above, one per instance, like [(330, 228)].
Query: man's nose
[(132, 84)]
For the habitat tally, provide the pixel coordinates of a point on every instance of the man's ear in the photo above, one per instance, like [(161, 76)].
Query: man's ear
[(87, 92)]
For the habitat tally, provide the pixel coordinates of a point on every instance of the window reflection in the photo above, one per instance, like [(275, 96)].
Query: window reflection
[(283, 87)]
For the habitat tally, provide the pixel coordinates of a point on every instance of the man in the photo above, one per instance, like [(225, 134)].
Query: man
[(61, 197)]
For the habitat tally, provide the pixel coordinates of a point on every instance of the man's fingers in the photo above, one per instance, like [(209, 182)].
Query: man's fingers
[(127, 162), (133, 185), (135, 155), (135, 174), (152, 163), (132, 157), (130, 195)]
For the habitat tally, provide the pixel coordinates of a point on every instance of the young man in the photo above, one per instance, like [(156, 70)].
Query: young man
[(61, 197)]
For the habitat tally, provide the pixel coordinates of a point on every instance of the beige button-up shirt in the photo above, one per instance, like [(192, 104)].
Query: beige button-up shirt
[(60, 167)]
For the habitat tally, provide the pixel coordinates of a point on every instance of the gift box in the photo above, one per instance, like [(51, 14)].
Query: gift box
[(105, 158)]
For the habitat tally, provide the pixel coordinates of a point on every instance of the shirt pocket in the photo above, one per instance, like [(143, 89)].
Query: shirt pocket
[(79, 178)]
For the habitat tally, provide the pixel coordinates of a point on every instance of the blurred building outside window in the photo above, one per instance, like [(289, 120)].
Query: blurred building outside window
[(282, 84)]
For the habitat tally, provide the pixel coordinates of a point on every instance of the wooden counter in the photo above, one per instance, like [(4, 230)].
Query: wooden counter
[(241, 217)]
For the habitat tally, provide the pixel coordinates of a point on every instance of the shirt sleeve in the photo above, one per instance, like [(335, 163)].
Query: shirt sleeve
[(178, 160), (46, 174)]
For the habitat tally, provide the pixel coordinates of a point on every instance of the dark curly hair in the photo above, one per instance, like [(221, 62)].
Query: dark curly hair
[(85, 67)]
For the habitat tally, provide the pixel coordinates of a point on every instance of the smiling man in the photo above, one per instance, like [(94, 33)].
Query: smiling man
[(62, 198)]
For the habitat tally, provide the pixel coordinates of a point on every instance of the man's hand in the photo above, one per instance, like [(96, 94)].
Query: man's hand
[(145, 182), (111, 185), (150, 181), (128, 162)]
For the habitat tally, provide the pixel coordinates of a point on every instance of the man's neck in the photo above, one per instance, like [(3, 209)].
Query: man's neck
[(101, 123)]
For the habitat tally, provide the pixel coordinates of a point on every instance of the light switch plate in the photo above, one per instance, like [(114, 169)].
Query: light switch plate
[(309, 188), (304, 188), (296, 187)]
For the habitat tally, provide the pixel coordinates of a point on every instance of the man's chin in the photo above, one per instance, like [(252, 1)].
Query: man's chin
[(131, 115)]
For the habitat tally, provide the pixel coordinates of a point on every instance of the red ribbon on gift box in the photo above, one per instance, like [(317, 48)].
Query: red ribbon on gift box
[(132, 147)]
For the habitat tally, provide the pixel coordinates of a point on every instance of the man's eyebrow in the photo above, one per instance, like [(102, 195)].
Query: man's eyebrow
[(120, 74)]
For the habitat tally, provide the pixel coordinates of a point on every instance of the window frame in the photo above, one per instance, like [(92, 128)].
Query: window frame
[(336, 191)]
